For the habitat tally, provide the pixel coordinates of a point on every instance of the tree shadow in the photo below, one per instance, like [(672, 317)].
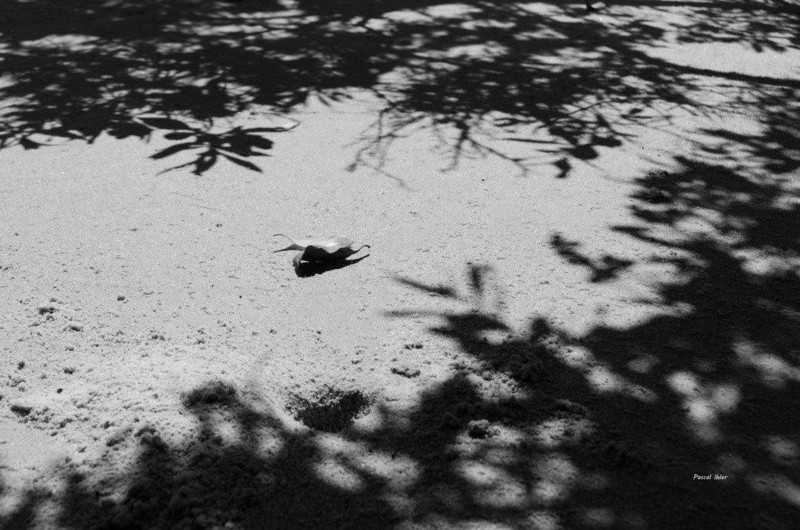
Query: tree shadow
[(526, 84), (707, 388), (603, 269), (543, 428)]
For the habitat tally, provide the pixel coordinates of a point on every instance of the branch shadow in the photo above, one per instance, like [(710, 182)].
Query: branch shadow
[(544, 427), (484, 77), (696, 405), (541, 428)]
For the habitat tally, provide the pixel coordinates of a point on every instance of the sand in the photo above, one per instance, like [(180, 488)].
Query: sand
[(619, 348)]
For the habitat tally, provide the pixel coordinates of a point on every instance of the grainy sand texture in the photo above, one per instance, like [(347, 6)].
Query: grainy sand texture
[(580, 308)]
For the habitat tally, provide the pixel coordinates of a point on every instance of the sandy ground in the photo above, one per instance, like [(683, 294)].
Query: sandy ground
[(617, 349)]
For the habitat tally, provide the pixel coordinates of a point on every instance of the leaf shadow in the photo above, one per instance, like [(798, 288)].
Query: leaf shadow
[(307, 269)]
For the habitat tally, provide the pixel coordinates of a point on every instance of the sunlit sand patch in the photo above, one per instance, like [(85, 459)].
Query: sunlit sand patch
[(576, 356), (555, 477), (439, 521), (475, 51), (493, 485), (743, 60), (501, 456), (558, 432), (778, 485), (543, 520), (226, 433), (399, 470), (454, 10), (494, 337), (599, 517), (401, 503), (775, 372), (731, 464), (270, 443), (782, 450), (643, 364), (480, 24), (72, 41), (338, 475), (501, 448), (602, 378), (704, 403)]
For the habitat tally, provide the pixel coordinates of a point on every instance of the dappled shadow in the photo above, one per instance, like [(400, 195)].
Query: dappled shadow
[(531, 84), (244, 467), (241, 467), (24, 515), (538, 428), (709, 386)]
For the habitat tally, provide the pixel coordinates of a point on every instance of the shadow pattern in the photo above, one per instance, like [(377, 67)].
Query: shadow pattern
[(307, 269), (600, 423), (483, 76)]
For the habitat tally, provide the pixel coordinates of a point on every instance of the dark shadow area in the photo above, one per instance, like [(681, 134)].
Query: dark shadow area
[(485, 77), (608, 428), (329, 409), (543, 428), (307, 269), (24, 516), (607, 267), (709, 388), (211, 480), (234, 145)]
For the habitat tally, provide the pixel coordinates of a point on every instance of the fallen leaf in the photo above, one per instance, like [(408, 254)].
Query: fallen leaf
[(321, 250)]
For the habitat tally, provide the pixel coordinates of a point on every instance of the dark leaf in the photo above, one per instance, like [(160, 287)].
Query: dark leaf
[(243, 163), (126, 129), (61, 132), (584, 152), (204, 162), (174, 168), (171, 150), (270, 129), (606, 141), (165, 123), (28, 144), (530, 141), (259, 141), (237, 149), (565, 167), (507, 122), (601, 121), (178, 135), (563, 133)]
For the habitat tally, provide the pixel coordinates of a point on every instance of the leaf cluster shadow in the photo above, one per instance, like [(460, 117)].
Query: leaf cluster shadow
[(599, 424), (608, 419), (481, 75)]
